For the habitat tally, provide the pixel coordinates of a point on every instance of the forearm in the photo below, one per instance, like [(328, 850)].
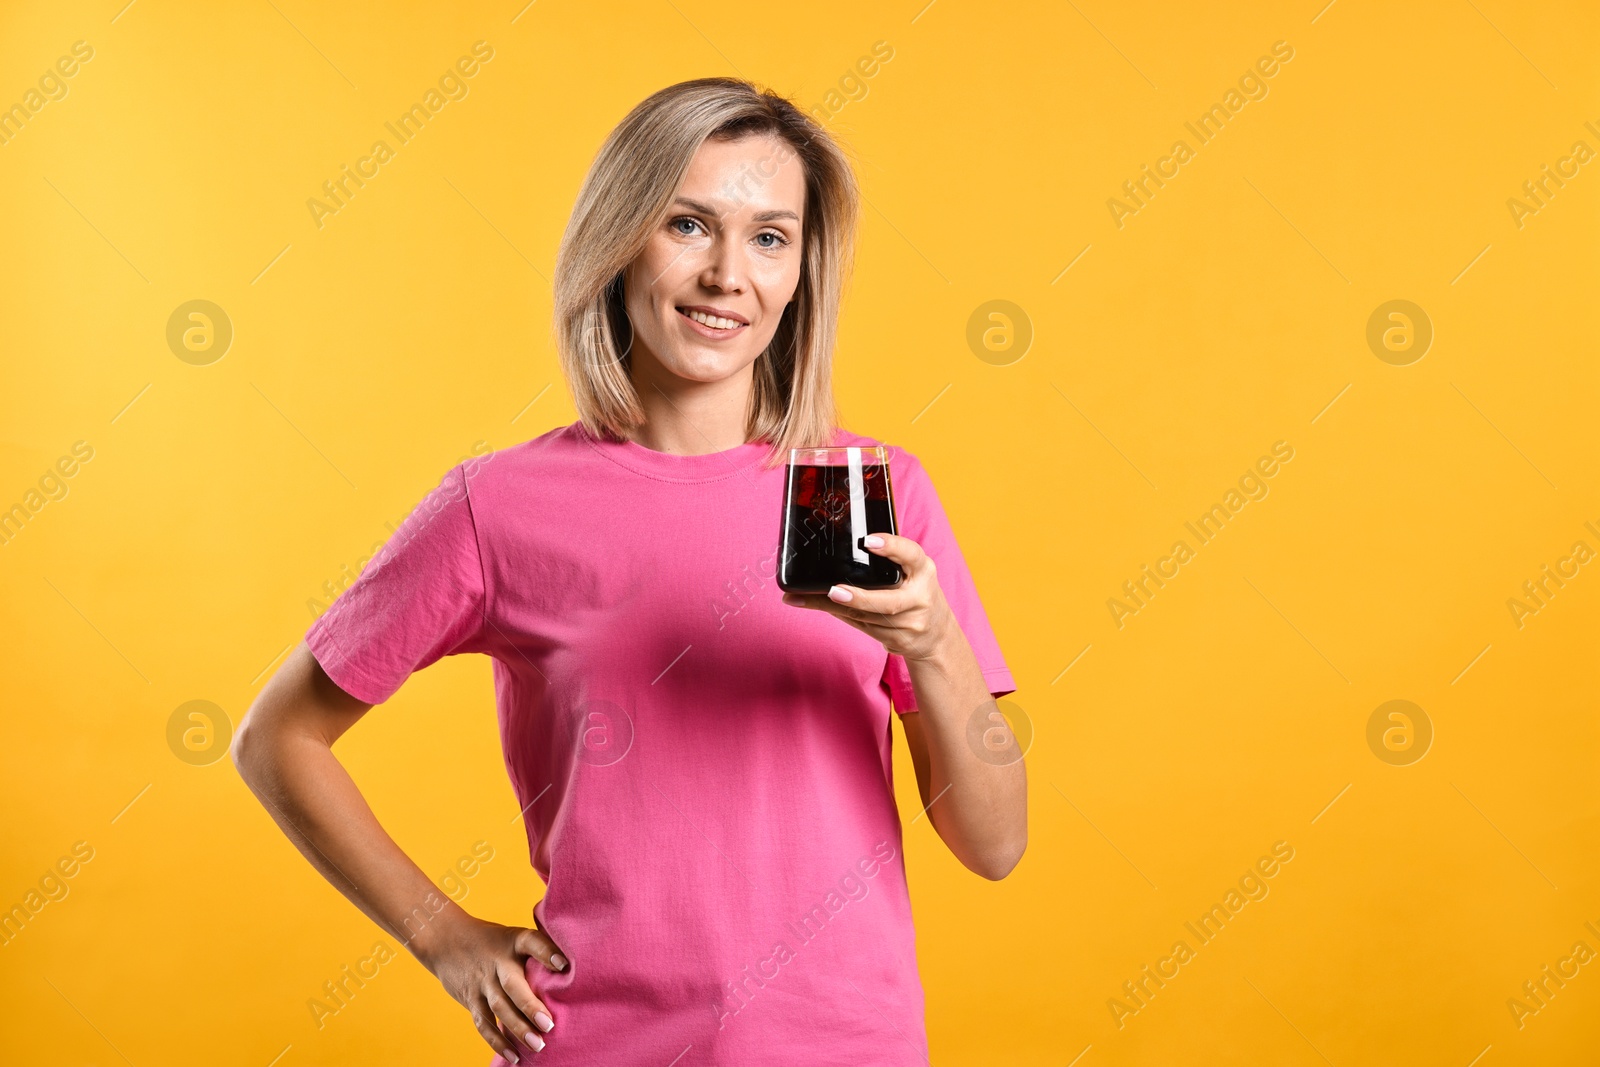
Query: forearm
[(313, 799), (977, 791)]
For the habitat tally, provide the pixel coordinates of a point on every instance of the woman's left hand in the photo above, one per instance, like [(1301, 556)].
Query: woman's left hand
[(911, 620)]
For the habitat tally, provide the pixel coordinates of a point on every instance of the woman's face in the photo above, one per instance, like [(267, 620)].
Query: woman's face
[(728, 255)]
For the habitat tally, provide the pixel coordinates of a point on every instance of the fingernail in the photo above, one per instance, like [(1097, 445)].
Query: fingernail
[(543, 1021), (840, 595), (558, 961), (534, 1041), (874, 541), (511, 1054)]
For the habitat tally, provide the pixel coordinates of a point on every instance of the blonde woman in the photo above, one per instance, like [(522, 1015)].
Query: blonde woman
[(703, 762)]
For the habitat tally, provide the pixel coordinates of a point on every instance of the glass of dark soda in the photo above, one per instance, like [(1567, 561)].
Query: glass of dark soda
[(834, 498)]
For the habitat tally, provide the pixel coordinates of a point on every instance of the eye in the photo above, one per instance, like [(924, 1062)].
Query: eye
[(779, 240), (693, 222)]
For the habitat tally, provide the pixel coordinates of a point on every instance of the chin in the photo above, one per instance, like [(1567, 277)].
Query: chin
[(709, 367)]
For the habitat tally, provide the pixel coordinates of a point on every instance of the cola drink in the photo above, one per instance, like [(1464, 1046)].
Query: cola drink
[(834, 498)]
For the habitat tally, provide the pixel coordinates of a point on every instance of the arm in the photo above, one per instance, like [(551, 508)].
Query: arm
[(284, 752), (977, 805)]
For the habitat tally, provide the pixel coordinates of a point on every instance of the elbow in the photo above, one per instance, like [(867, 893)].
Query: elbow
[(1003, 846), (246, 748), (241, 748), (1000, 861)]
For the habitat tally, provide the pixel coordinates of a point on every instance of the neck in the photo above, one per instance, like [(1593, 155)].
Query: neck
[(689, 418)]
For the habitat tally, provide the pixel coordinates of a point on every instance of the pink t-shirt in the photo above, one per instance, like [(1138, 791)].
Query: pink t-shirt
[(706, 771)]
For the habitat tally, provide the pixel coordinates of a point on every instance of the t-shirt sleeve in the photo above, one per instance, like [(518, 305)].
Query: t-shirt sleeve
[(921, 517), (421, 597)]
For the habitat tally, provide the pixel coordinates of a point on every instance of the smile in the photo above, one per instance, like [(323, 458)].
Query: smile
[(712, 325)]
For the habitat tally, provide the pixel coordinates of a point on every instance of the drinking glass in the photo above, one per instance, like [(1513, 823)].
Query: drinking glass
[(833, 498)]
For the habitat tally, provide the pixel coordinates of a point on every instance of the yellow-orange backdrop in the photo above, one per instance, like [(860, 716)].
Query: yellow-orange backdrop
[(1157, 340)]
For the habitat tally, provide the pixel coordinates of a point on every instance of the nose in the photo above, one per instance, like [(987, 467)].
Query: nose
[(725, 267)]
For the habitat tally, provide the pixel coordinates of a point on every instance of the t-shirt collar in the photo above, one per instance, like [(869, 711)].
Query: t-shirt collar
[(709, 466)]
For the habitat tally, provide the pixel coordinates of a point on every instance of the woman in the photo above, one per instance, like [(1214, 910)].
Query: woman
[(703, 764)]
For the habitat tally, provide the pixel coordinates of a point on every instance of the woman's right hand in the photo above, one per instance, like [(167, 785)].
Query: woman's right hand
[(284, 752), (481, 964)]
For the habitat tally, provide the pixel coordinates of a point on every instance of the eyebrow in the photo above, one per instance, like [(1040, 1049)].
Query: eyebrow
[(764, 216)]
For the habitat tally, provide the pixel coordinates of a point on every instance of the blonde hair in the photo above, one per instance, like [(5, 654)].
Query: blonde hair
[(627, 194)]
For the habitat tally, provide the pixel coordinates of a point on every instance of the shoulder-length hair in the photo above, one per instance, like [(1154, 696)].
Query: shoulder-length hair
[(628, 193)]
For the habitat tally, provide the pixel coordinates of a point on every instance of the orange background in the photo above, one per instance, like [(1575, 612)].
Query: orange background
[(1167, 354)]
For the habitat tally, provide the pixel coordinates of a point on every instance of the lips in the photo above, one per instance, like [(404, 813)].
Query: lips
[(718, 320)]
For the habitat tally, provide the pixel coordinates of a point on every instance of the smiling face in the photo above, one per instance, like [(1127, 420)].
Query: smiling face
[(706, 295)]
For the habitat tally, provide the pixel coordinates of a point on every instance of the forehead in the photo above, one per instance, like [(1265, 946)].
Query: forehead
[(755, 173)]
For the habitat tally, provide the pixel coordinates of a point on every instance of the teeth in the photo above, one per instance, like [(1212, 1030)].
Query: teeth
[(713, 320)]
